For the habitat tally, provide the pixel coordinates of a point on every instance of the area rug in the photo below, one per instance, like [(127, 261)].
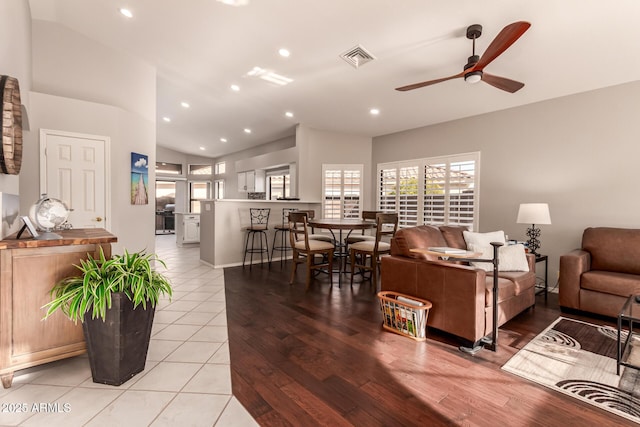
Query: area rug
[(579, 359)]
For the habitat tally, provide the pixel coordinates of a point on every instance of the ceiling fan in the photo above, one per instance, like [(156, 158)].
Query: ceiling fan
[(474, 69)]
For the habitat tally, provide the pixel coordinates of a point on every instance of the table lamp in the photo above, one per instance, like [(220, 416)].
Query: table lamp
[(533, 213)]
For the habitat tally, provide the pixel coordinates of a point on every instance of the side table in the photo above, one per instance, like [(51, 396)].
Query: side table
[(545, 259), (629, 314)]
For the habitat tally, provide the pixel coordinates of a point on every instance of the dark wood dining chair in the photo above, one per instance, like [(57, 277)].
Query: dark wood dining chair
[(360, 252), (316, 236), (306, 249)]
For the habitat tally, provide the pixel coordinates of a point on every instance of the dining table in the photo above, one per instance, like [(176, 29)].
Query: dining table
[(341, 225)]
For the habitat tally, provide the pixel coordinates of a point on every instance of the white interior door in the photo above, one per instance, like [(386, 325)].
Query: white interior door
[(74, 168)]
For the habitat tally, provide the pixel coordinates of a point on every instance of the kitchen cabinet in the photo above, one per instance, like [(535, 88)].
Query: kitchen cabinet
[(187, 228), (247, 181)]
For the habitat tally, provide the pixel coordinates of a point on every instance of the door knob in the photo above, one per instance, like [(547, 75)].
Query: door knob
[(99, 219)]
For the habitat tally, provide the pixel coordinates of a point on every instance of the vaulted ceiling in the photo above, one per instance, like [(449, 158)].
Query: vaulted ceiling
[(201, 48)]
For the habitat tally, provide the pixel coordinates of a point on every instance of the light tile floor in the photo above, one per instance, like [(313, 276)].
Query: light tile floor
[(186, 382)]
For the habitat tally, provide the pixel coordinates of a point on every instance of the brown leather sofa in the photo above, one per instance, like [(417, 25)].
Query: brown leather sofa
[(462, 295), (600, 276)]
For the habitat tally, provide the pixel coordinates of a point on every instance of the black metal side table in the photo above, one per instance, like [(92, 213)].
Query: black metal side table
[(545, 259), (630, 313)]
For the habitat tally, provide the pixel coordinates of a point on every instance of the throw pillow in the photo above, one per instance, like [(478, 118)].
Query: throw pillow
[(510, 258), (483, 239)]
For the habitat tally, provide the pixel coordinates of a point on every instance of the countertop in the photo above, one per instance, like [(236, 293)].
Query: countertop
[(264, 201), (77, 236)]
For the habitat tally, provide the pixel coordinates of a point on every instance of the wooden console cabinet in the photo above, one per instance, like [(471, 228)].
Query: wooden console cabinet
[(28, 270)]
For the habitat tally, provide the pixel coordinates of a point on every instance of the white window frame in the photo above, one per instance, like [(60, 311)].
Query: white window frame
[(218, 189), (343, 168), (191, 199), (409, 218), (286, 181), (198, 169), (220, 168)]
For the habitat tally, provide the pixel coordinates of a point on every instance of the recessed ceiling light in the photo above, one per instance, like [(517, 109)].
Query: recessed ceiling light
[(235, 2), (247, 130), (126, 12), (223, 139), (284, 52), (235, 88), (166, 119), (202, 148), (288, 114), (185, 104), (374, 111)]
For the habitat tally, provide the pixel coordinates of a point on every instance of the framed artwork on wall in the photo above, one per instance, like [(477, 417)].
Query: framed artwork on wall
[(139, 179)]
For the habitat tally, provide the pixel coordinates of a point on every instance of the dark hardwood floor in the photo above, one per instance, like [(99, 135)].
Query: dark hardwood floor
[(322, 358)]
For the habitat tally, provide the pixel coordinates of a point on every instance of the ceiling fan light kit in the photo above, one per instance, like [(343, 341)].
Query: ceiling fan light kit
[(473, 77), (473, 71)]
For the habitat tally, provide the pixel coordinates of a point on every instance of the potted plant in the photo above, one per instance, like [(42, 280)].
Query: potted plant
[(115, 300)]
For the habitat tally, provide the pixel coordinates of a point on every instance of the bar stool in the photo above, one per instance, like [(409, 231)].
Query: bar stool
[(259, 223), (283, 246)]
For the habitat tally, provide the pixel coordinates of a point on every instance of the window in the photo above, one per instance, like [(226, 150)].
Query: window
[(198, 190), (165, 206), (165, 195), (278, 183), (219, 189), (437, 191), (199, 169), (164, 168), (342, 190), (220, 168)]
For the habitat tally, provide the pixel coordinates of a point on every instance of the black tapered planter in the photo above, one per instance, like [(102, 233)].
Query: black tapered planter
[(118, 346)]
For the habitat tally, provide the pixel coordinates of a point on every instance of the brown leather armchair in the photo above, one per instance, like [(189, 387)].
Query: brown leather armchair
[(462, 295), (601, 275)]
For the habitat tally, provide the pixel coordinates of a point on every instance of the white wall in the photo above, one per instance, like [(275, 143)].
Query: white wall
[(318, 147), (15, 61), (578, 153), (66, 63), (82, 86)]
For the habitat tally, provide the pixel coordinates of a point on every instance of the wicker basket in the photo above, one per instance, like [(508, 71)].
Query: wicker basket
[(407, 316)]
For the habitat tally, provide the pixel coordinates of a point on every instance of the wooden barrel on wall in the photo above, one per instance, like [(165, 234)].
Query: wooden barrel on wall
[(11, 135)]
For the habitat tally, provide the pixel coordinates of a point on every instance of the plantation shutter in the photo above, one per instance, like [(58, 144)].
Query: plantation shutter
[(342, 190), (408, 200), (462, 201), (388, 190), (435, 187), (436, 191)]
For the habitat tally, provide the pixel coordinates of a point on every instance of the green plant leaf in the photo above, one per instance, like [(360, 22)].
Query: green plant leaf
[(98, 278)]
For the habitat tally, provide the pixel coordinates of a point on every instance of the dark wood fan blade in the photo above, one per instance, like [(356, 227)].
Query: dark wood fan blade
[(503, 83), (503, 40), (428, 83)]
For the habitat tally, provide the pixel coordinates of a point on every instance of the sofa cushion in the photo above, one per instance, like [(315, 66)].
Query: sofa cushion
[(510, 258), (510, 284), (613, 249), (506, 290), (453, 235), (522, 281), (483, 239), (422, 236), (608, 282)]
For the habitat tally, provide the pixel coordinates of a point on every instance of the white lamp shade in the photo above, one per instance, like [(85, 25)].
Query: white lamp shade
[(534, 213)]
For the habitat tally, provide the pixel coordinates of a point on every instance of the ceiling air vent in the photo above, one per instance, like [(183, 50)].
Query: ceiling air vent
[(357, 56)]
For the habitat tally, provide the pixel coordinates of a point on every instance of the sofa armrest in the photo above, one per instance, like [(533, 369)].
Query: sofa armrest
[(572, 265), (457, 292), (531, 260)]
